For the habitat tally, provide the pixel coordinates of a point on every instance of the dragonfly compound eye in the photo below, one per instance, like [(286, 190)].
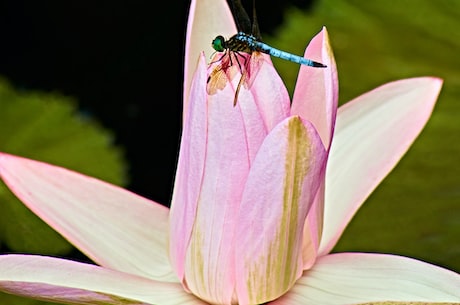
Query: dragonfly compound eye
[(219, 43)]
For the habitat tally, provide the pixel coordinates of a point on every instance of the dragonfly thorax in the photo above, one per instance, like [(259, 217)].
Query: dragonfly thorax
[(240, 42)]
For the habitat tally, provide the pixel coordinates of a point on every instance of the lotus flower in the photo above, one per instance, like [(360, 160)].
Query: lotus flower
[(263, 192)]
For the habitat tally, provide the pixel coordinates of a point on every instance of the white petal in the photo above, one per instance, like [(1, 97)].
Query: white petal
[(372, 134), (351, 278), (114, 227), (59, 280)]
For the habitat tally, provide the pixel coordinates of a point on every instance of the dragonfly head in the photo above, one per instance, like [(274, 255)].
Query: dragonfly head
[(219, 43)]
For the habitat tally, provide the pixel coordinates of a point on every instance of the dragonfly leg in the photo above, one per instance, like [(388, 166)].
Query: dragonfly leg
[(219, 59), (243, 70), (245, 59)]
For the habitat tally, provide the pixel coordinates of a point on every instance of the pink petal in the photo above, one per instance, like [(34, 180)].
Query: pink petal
[(313, 226), (114, 227), (316, 92), (219, 143), (270, 95), (280, 189), (315, 99), (189, 172), (372, 134), (207, 19), (69, 282), (352, 278), (233, 137)]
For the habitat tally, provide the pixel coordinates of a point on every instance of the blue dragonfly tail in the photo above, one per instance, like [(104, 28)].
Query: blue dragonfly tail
[(265, 48)]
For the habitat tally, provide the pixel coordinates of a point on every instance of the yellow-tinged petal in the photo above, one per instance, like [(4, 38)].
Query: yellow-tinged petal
[(280, 189), (354, 278), (315, 99), (219, 143)]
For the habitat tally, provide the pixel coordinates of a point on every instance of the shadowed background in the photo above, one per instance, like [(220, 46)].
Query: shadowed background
[(118, 64)]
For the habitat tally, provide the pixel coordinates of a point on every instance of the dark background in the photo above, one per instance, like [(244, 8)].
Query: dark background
[(122, 61)]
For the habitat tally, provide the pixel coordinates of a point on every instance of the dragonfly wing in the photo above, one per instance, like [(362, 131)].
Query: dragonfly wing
[(228, 65), (243, 23), (217, 80), (252, 68), (222, 72), (249, 71)]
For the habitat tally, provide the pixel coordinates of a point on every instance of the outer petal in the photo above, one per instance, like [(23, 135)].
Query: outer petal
[(316, 92), (315, 99), (372, 134), (114, 227), (351, 278), (58, 280), (207, 19), (280, 189), (233, 136), (189, 174)]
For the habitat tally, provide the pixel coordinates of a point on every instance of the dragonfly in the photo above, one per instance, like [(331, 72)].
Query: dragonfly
[(241, 53)]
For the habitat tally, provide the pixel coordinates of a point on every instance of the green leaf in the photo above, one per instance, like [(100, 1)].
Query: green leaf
[(415, 211), (47, 127)]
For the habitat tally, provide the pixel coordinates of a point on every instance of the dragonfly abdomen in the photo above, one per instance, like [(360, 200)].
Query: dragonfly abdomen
[(265, 48)]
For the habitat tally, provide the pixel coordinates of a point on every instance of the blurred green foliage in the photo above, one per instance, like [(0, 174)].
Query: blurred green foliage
[(47, 127), (416, 210)]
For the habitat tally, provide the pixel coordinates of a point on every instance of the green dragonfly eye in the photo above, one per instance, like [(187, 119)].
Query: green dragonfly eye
[(219, 43)]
